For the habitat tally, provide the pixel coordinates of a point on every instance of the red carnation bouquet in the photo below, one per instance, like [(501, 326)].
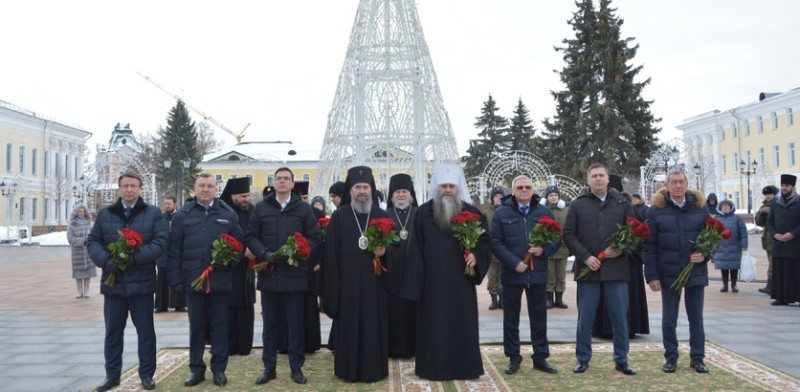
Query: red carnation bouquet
[(121, 250), (545, 231), (466, 227), (224, 250), (380, 233), (322, 223), (626, 238), (710, 236)]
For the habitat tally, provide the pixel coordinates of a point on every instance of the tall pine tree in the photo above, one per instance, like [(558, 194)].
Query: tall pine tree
[(521, 132), (601, 115), (178, 142), (491, 138)]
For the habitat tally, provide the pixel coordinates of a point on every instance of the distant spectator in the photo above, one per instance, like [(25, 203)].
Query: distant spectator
[(83, 269)]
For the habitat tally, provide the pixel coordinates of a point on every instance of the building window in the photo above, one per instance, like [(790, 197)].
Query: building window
[(77, 168), (46, 209), (747, 158), (306, 177), (746, 128), (218, 177), (9, 159), (760, 124), (724, 164), (250, 179), (735, 162), (34, 208), (722, 131), (46, 162), (66, 165), (761, 155), (789, 117), (774, 121), (21, 209), (234, 175), (736, 197), (791, 154), (22, 159), (734, 131), (34, 155), (58, 165), (776, 156), (271, 179)]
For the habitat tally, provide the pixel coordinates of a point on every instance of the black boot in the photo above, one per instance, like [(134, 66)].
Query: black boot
[(724, 288), (560, 301), (500, 301), (493, 305), (549, 297)]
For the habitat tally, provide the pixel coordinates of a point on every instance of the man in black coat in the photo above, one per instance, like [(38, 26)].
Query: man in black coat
[(783, 223), (195, 226), (243, 293), (165, 297), (275, 219), (135, 277), (592, 218)]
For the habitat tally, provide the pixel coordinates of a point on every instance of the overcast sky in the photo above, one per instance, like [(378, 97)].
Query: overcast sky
[(275, 64)]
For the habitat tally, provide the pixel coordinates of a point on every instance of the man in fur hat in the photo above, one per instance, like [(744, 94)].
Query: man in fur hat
[(557, 262), (769, 192), (783, 224), (676, 217)]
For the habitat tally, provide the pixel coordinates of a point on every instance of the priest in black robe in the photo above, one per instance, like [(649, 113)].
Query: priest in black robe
[(401, 207), (447, 304), (354, 296), (241, 313)]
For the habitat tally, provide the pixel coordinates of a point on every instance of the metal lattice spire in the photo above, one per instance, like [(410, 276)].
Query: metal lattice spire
[(388, 112)]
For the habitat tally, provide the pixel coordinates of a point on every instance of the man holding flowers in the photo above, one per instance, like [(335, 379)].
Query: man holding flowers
[(676, 217), (513, 246), (435, 278), (282, 280), (592, 219), (134, 282), (195, 227)]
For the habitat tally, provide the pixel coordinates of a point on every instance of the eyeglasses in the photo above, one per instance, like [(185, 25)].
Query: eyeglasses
[(525, 187)]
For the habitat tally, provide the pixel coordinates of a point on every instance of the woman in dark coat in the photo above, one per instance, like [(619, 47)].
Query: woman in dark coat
[(83, 269)]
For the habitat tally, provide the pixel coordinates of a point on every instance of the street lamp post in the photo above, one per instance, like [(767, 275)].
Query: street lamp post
[(751, 169), (697, 172)]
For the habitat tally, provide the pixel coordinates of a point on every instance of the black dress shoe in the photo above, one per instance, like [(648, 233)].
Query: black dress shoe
[(580, 367), (298, 377), (220, 380), (194, 379), (512, 367), (264, 378), (698, 366), (107, 384), (778, 303), (670, 366), (544, 366), (765, 290), (624, 369), (148, 384), (159, 310)]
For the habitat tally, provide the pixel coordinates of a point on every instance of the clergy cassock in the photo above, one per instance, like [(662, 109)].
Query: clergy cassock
[(447, 308), (356, 298), (402, 312)]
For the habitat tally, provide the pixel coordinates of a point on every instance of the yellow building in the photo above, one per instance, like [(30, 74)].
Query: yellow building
[(751, 144), (41, 172)]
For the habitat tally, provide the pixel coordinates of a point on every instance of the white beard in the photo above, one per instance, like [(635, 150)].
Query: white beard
[(444, 209), (362, 207)]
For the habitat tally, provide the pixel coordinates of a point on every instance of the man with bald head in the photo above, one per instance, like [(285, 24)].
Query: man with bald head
[(447, 327)]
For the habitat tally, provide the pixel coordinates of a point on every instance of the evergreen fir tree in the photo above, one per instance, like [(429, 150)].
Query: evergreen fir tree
[(491, 141), (179, 141), (521, 132), (601, 115)]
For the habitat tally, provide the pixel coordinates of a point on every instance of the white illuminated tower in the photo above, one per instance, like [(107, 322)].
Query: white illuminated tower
[(388, 112)]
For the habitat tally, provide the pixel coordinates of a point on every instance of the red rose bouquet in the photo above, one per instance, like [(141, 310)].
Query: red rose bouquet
[(224, 250), (295, 248), (380, 233), (121, 251), (710, 236), (322, 223), (626, 238), (545, 231), (466, 227)]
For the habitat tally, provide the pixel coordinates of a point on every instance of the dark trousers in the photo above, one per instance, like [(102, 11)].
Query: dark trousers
[(115, 312), (670, 301), (537, 317), (293, 308), (208, 311)]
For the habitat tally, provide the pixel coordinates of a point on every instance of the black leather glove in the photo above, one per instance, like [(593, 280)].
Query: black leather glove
[(111, 267), (217, 266), (272, 258), (178, 288)]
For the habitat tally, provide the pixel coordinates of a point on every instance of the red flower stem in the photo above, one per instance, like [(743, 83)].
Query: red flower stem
[(204, 277)]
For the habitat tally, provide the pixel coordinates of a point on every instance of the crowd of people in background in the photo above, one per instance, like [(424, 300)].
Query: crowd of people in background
[(413, 298)]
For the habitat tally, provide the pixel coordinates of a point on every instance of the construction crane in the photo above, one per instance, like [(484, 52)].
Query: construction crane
[(206, 117)]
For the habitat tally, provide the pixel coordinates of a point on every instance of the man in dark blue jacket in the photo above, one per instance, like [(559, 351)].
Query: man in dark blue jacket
[(135, 277), (676, 217), (277, 217), (592, 219), (511, 224), (194, 227)]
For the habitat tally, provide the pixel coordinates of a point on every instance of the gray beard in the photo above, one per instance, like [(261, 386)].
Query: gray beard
[(362, 207), (444, 209), (403, 205)]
